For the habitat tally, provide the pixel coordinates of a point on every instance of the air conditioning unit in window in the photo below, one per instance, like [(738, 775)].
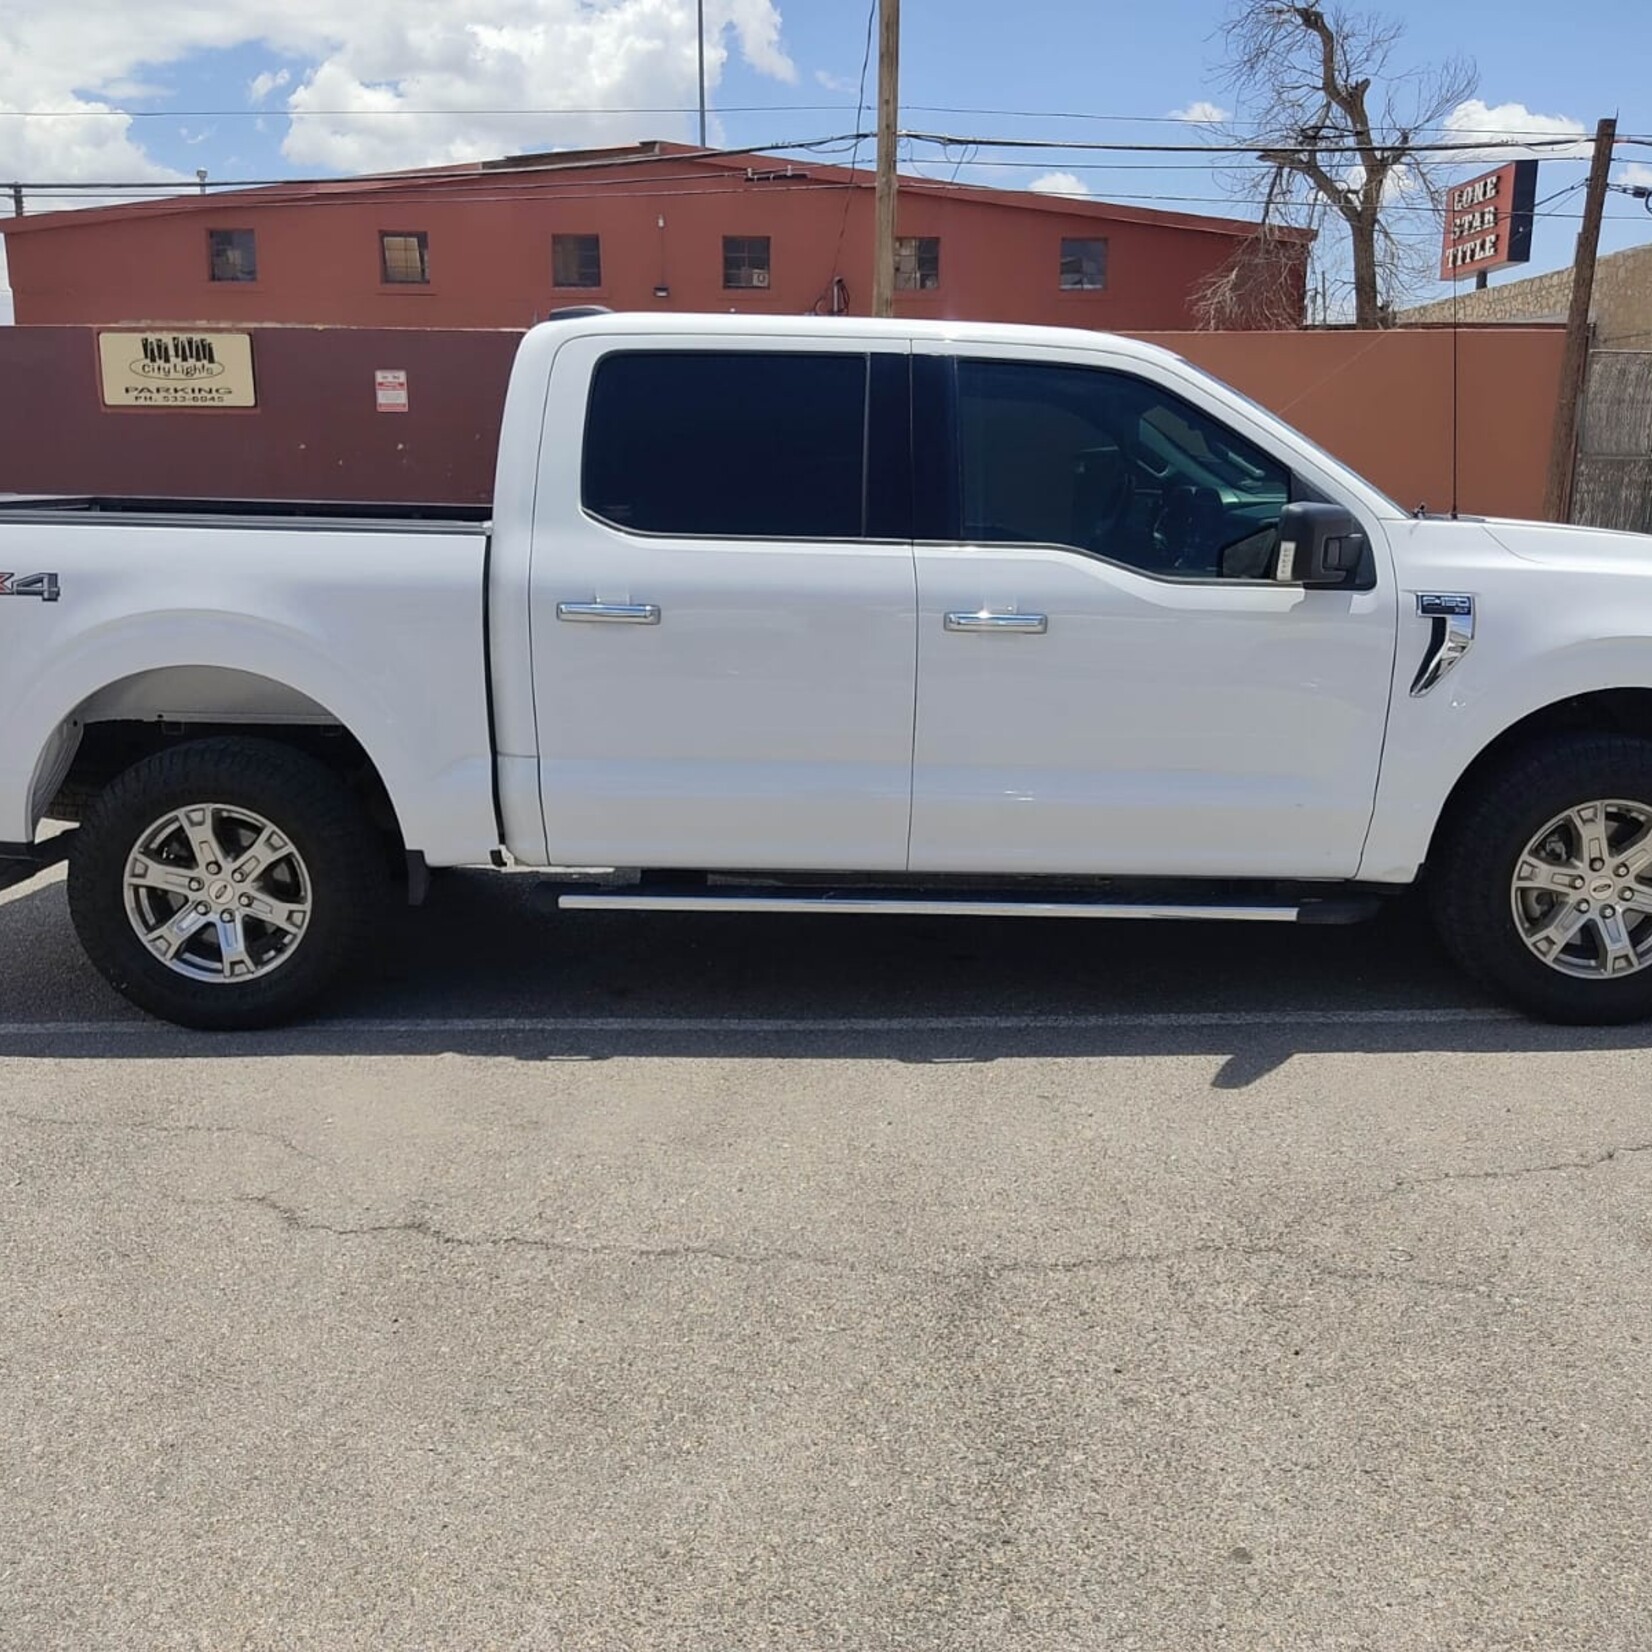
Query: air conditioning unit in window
[(760, 278)]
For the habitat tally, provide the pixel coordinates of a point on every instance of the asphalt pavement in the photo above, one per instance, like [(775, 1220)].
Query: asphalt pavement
[(599, 1281)]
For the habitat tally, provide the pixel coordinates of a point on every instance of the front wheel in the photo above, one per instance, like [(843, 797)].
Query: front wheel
[(1542, 885), (225, 884)]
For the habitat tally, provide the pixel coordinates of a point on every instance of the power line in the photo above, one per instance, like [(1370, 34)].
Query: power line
[(1048, 147), (552, 194), (375, 114), (854, 153), (571, 163), (1544, 134), (953, 140)]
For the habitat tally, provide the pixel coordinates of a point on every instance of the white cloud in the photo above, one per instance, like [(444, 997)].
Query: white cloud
[(836, 83), (1500, 122), (1201, 112), (260, 86), (1059, 183), (395, 55), (1638, 175), (420, 55)]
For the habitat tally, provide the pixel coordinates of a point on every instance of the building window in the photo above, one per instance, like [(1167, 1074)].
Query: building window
[(745, 260), (232, 254), (759, 444), (576, 260), (917, 263), (404, 256), (1083, 266)]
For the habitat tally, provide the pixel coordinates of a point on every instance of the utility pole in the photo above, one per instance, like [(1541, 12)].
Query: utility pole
[(1574, 364), (700, 42), (889, 115), (17, 200)]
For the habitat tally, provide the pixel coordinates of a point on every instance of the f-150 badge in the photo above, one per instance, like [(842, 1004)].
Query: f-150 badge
[(43, 586), (1451, 635)]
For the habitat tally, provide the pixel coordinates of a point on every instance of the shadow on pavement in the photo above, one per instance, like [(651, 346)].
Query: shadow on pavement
[(813, 988)]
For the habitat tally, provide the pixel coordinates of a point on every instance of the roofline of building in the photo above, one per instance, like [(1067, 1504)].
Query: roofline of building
[(434, 179)]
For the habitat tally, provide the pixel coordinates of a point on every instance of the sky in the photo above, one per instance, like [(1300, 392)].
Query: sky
[(133, 90)]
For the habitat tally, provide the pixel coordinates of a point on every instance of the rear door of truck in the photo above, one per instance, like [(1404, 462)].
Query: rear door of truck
[(724, 602)]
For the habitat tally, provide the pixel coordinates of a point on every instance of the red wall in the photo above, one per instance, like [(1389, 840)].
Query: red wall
[(1380, 401), (490, 254)]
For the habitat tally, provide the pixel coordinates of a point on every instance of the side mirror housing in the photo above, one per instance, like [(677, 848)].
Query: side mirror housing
[(1319, 544)]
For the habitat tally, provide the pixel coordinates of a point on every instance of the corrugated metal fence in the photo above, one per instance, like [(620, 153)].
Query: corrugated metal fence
[(1613, 486)]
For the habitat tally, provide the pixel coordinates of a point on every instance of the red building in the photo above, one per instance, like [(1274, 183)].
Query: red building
[(655, 226)]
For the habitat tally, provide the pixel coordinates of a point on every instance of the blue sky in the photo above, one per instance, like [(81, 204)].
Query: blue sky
[(148, 88)]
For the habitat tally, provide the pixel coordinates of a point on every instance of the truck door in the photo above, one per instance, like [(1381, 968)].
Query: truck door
[(724, 603), (1110, 682)]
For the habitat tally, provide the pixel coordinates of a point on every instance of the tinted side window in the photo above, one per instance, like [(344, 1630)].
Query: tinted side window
[(1115, 466), (753, 444)]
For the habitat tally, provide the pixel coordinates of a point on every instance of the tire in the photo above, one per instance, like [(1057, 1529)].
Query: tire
[(72, 803), (1520, 829), (297, 847)]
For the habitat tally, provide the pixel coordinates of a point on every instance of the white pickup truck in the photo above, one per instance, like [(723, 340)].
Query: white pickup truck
[(843, 617)]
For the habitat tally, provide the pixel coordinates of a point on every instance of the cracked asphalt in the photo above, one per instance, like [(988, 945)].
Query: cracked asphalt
[(671, 1283)]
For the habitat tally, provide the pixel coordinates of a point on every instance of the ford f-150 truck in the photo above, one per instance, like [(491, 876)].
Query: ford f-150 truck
[(783, 615)]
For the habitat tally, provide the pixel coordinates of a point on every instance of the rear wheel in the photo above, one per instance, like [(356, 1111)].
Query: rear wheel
[(225, 884), (1542, 886)]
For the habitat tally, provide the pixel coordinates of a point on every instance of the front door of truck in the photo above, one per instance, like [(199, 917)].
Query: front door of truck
[(1110, 682), (724, 604)]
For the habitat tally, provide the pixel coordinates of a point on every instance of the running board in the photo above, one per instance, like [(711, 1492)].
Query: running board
[(863, 905)]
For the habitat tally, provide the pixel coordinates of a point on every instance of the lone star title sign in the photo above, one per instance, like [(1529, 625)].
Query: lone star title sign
[(1488, 221)]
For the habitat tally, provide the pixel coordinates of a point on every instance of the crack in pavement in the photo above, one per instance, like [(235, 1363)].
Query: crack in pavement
[(1515, 1172), (153, 1126), (986, 1271)]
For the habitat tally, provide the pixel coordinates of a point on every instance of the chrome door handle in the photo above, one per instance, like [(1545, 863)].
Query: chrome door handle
[(609, 613), (986, 620)]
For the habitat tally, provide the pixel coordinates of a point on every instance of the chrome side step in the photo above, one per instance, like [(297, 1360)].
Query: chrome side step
[(863, 905)]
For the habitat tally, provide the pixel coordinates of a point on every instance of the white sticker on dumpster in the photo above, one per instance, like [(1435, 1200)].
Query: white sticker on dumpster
[(390, 389)]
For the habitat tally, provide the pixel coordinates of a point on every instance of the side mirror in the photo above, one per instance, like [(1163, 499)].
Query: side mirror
[(1318, 545)]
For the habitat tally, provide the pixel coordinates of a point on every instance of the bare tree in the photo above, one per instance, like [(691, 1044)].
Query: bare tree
[(1262, 286), (1339, 131)]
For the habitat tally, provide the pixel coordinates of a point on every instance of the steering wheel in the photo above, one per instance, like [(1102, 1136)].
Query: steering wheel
[(1104, 493), (1189, 529)]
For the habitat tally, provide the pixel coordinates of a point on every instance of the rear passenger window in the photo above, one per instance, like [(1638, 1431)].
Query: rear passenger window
[(750, 444)]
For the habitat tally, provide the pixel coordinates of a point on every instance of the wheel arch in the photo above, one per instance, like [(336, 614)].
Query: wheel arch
[(1599, 711), (131, 717)]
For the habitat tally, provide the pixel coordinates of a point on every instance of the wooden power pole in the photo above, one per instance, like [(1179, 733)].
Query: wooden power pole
[(889, 115), (1574, 364)]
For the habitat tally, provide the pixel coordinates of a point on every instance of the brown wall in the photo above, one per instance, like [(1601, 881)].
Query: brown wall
[(315, 433), (1380, 401), (490, 255)]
